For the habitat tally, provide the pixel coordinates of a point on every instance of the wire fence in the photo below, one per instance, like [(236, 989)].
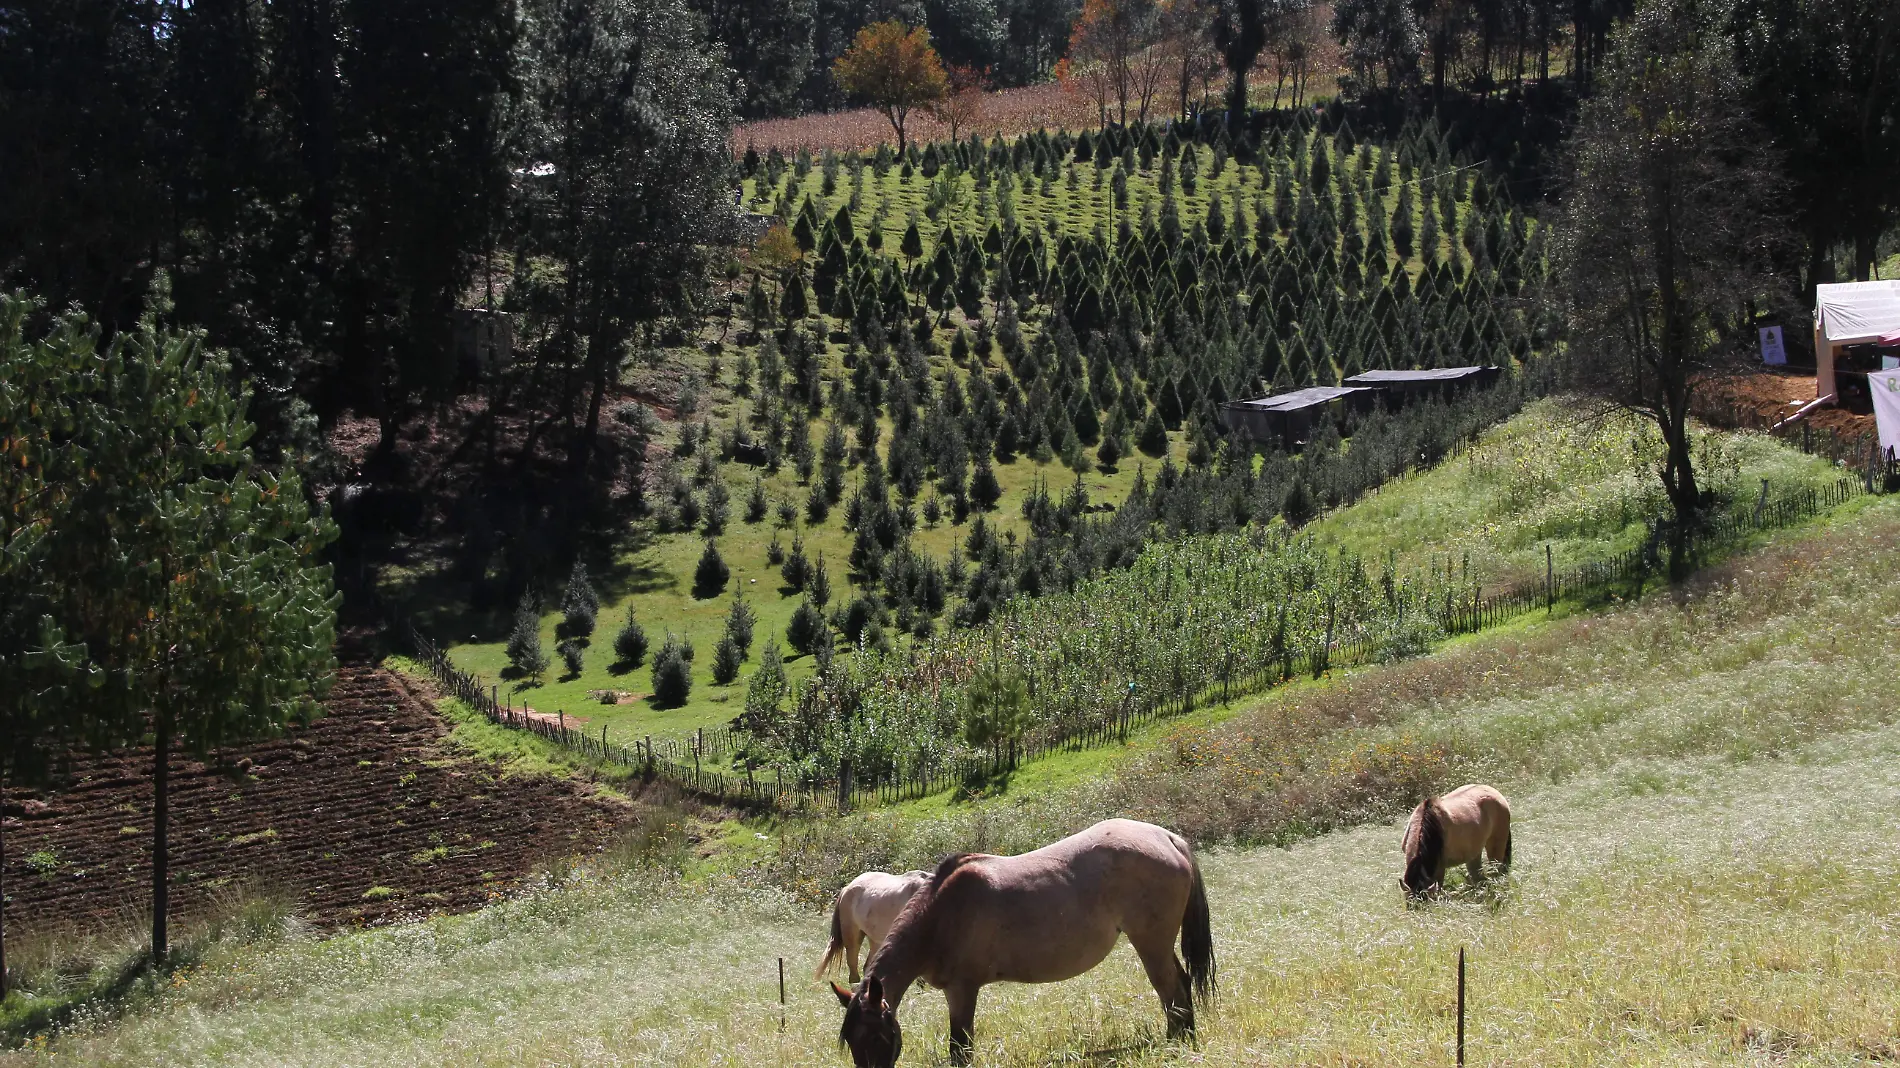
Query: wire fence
[(701, 763)]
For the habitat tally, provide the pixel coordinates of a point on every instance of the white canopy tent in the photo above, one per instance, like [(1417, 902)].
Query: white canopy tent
[(1851, 313)]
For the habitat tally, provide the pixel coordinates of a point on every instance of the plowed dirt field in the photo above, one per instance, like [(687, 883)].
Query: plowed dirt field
[(363, 816)]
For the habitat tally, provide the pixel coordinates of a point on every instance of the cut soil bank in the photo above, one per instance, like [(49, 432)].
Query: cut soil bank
[(360, 818)]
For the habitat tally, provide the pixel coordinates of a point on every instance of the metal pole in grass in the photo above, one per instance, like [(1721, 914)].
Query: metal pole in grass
[(1461, 1007), (781, 995), (1550, 581)]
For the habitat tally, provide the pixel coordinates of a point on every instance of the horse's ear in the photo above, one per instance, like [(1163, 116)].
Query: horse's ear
[(844, 996), (874, 992)]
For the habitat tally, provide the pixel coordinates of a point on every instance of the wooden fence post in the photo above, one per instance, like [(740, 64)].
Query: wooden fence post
[(1550, 581), (1461, 1006)]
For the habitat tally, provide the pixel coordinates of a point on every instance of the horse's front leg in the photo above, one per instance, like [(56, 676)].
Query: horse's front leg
[(851, 955), (1474, 871), (961, 998)]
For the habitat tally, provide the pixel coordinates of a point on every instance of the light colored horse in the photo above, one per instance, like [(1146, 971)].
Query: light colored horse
[(864, 912), (1041, 917), (1461, 827)]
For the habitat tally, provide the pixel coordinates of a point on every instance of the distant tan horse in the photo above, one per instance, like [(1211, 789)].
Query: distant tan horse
[(1460, 827), (864, 912), (1041, 917)]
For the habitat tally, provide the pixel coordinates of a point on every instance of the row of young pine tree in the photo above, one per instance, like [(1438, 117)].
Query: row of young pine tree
[(1091, 347)]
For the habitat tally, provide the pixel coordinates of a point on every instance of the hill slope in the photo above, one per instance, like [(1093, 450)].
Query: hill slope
[(1706, 862)]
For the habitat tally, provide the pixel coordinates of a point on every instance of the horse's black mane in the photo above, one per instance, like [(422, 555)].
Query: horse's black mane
[(1422, 862), (947, 866)]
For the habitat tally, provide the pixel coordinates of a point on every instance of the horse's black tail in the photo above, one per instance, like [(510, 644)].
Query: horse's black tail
[(837, 942), (1197, 940), (1507, 847)]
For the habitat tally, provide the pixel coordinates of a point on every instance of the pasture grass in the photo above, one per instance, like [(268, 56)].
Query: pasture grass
[(1582, 482), (1708, 872)]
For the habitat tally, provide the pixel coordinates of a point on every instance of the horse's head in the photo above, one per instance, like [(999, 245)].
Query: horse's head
[(870, 1028), (1417, 882)]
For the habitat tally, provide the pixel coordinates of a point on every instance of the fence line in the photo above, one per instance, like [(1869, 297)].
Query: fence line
[(686, 763)]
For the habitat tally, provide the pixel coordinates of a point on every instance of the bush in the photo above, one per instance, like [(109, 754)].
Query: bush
[(710, 577), (672, 674), (630, 645), (1403, 639), (579, 603), (524, 642), (808, 628), (571, 655), (726, 659)]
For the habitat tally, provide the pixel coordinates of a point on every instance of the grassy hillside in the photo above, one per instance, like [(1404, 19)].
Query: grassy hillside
[(1704, 785), (1187, 273)]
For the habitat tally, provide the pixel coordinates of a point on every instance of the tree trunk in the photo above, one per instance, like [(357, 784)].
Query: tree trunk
[(1237, 96), (161, 828), (3, 888)]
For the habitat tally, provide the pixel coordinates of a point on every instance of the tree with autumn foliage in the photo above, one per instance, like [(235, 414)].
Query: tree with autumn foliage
[(962, 106), (893, 66)]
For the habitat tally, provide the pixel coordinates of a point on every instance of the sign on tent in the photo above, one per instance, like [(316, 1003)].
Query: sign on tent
[(1885, 386)]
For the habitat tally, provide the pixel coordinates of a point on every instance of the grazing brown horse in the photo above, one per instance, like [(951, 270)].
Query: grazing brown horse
[(865, 911), (1461, 827), (1040, 917)]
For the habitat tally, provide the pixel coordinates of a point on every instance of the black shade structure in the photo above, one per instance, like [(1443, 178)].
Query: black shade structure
[(1402, 386), (1291, 417)]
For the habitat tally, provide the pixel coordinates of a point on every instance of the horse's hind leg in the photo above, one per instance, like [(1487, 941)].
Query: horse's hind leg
[(1171, 984), (852, 939)]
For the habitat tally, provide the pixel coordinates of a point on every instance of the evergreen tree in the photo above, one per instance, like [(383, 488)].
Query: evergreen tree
[(571, 655), (807, 629), (579, 603), (796, 570), (765, 695), (630, 645), (167, 581), (726, 660), (672, 673), (711, 574), (1154, 435), (985, 491), (755, 504), (525, 653), (739, 621), (819, 587)]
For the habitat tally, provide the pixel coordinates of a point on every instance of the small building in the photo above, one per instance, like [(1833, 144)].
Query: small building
[(484, 341), (1290, 418), (1402, 387), (1850, 320)]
